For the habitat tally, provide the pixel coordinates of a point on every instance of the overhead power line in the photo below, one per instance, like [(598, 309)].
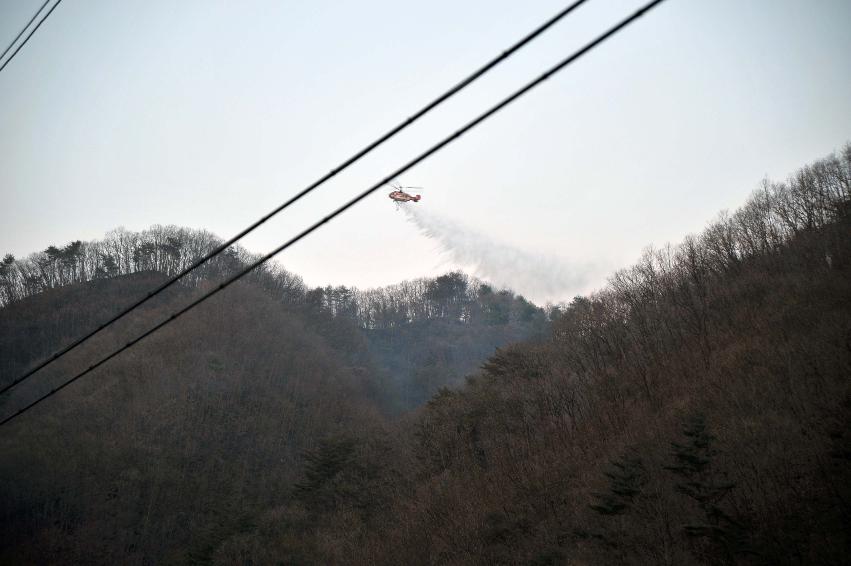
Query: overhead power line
[(316, 184), (20, 33), (27, 38), (410, 164)]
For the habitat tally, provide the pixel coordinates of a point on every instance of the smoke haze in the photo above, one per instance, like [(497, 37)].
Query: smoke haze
[(539, 277)]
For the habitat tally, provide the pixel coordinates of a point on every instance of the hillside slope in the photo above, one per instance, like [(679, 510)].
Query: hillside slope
[(209, 418), (643, 441), (695, 411), (173, 446)]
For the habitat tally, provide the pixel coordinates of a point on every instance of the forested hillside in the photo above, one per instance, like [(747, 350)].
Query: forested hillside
[(183, 439), (196, 433), (693, 411)]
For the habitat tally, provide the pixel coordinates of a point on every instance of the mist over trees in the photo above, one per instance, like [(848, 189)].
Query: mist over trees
[(693, 411)]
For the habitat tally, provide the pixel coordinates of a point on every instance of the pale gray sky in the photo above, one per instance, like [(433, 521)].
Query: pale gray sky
[(208, 114)]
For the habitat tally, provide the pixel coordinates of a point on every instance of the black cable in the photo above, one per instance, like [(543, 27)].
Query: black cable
[(334, 172), (423, 156), (20, 33), (26, 39)]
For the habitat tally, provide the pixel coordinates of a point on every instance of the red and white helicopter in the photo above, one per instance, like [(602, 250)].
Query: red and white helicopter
[(399, 195)]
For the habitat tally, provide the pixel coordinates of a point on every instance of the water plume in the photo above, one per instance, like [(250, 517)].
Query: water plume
[(537, 276)]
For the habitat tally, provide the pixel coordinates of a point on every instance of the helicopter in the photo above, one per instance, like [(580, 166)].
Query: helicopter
[(399, 195)]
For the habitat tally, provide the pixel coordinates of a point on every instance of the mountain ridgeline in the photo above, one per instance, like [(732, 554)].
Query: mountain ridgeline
[(423, 334), (693, 411)]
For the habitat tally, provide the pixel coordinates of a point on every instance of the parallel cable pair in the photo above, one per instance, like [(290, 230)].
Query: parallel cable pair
[(410, 164), (27, 38)]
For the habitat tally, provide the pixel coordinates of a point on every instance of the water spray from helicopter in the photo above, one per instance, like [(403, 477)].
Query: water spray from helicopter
[(537, 276)]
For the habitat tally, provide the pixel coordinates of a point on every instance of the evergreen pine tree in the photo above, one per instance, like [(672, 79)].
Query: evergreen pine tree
[(626, 478), (693, 464)]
